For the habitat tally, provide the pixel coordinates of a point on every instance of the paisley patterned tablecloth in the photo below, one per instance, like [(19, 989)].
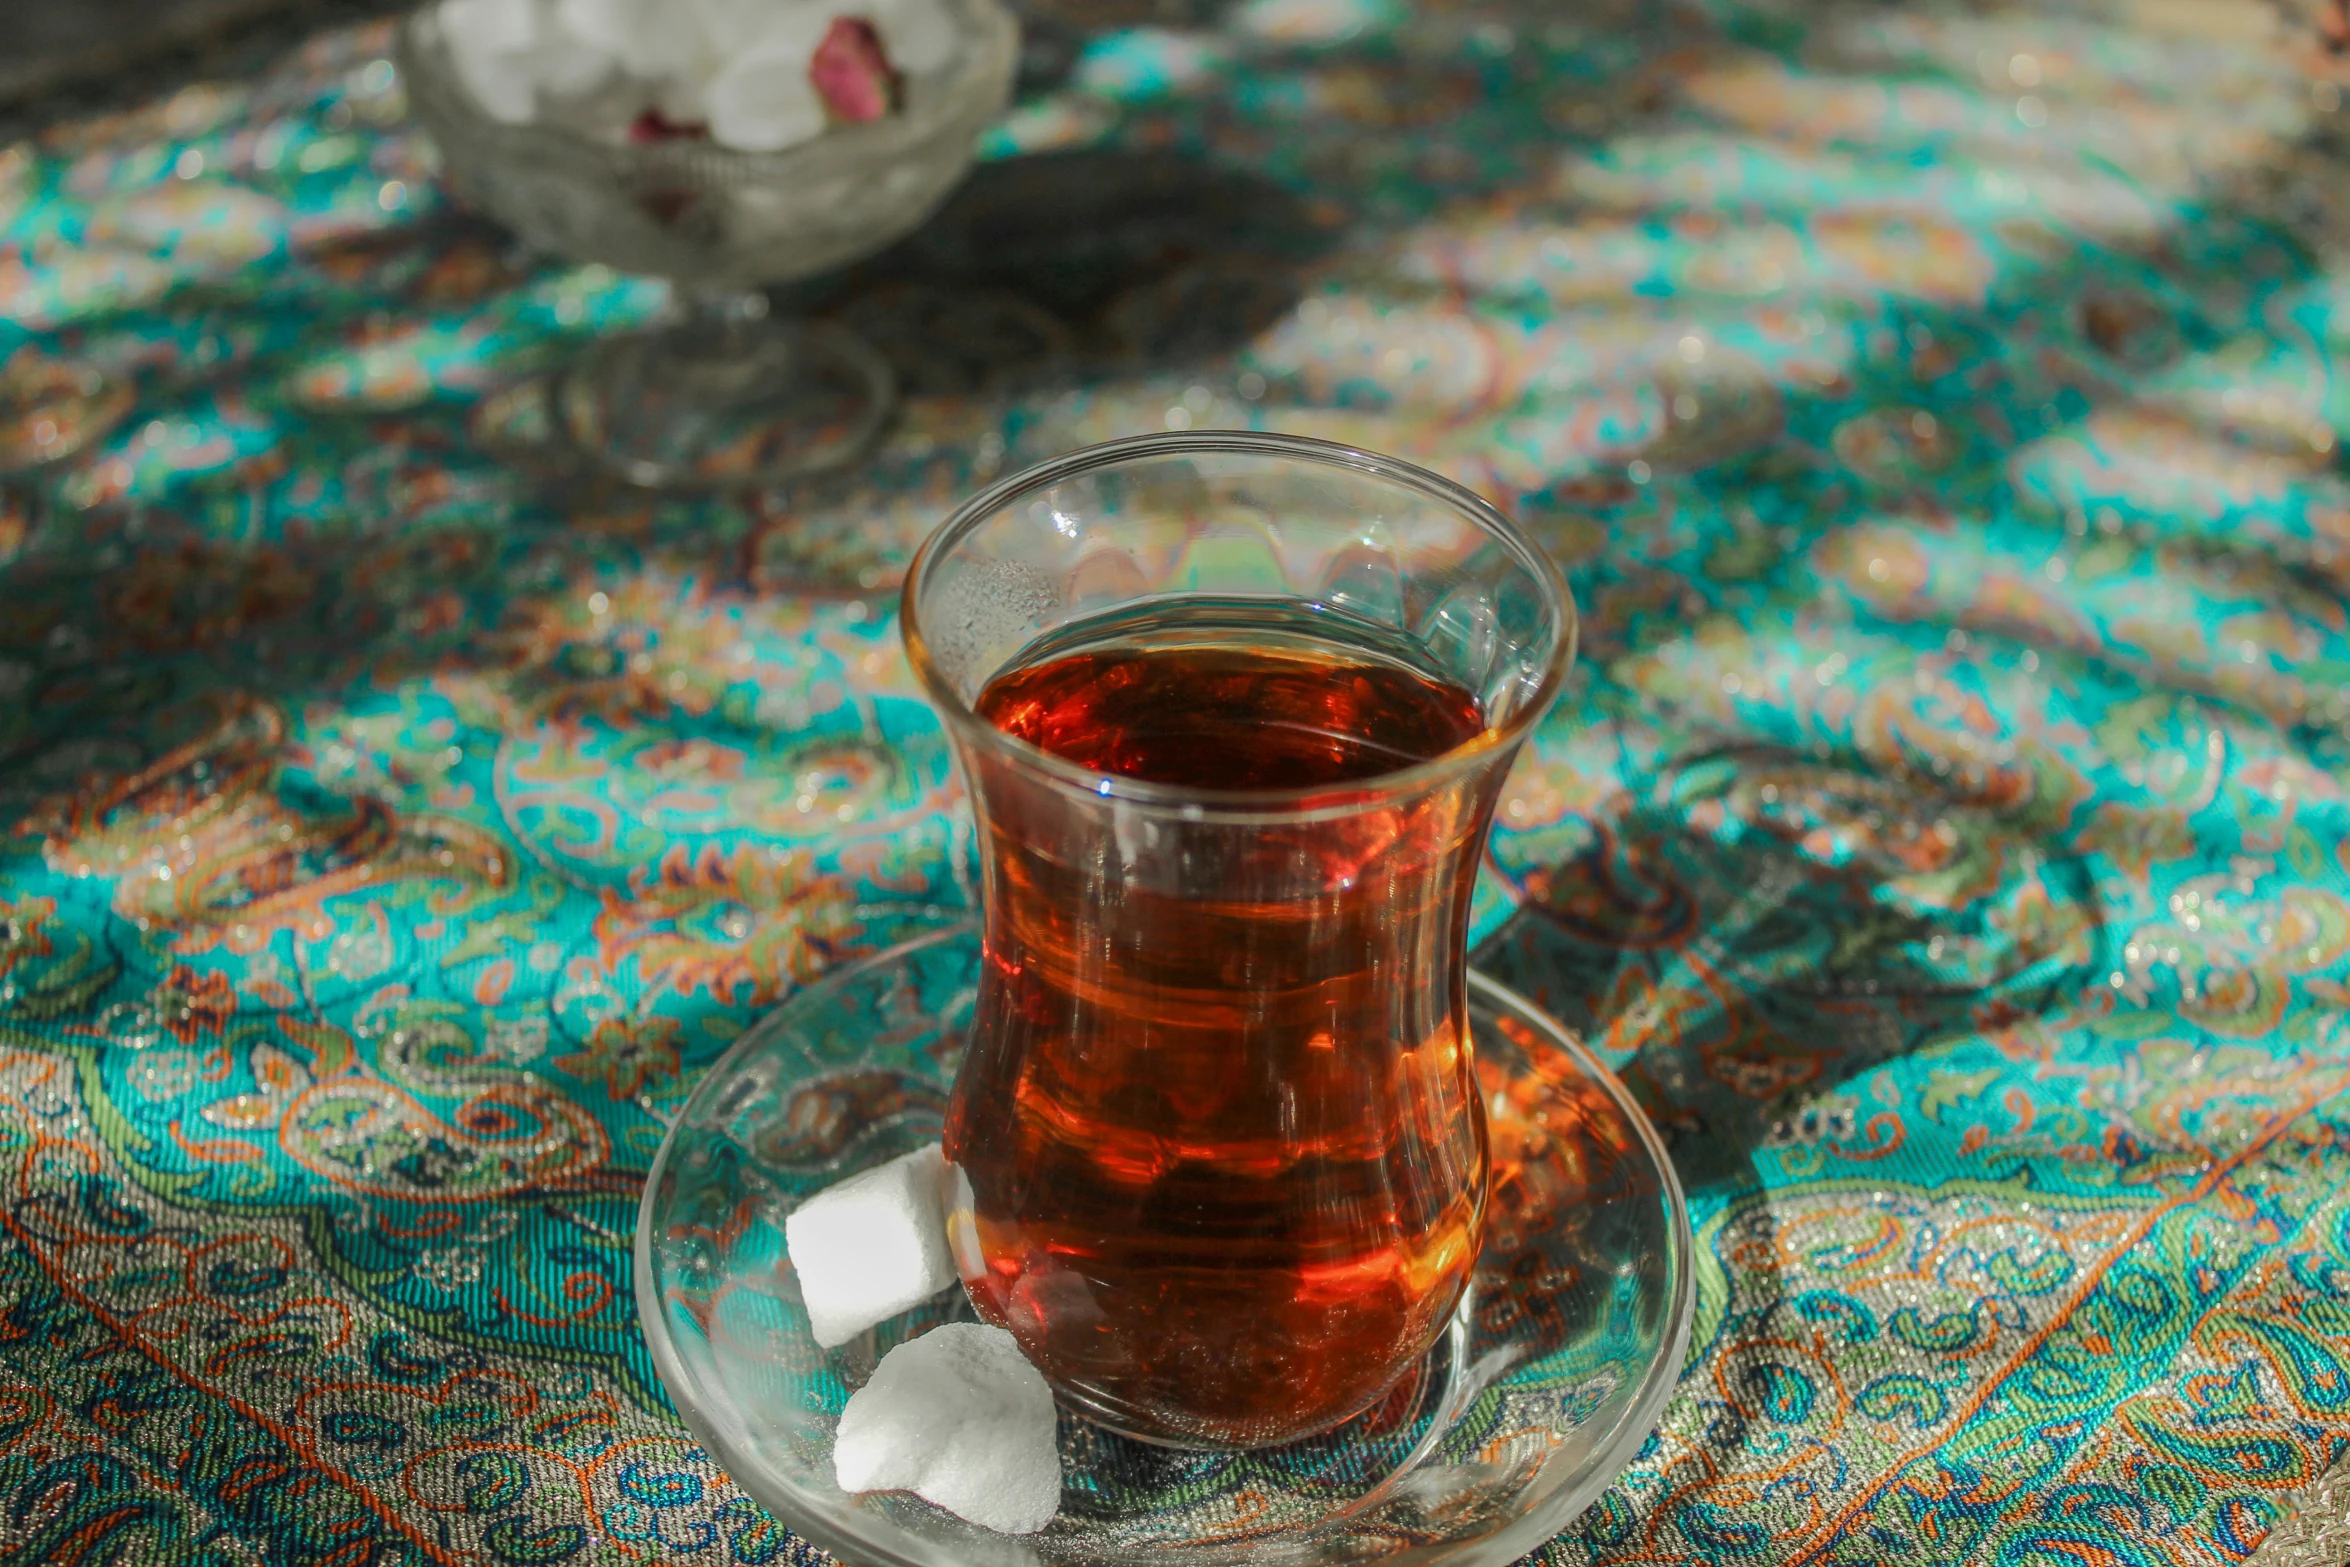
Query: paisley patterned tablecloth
[(1938, 410)]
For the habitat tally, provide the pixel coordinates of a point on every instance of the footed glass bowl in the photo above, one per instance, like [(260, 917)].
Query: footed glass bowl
[(1553, 1373), (724, 395)]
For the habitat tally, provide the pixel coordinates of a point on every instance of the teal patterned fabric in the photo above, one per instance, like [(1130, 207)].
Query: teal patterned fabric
[(1938, 411)]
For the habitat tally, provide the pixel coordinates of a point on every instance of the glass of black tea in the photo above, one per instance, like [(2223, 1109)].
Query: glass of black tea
[(1233, 710)]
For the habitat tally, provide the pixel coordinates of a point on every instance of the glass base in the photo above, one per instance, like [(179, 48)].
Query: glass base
[(726, 398), (1554, 1371)]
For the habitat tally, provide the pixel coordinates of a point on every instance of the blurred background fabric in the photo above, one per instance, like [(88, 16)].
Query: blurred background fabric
[(1939, 411), (50, 45)]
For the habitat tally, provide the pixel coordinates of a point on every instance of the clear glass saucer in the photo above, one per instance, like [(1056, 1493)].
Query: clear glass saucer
[(1556, 1369)]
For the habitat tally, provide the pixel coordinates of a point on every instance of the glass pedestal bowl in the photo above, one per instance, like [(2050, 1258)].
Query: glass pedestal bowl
[(1552, 1373), (725, 394)]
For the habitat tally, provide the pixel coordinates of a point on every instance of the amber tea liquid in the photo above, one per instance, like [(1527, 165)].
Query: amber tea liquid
[(1225, 1156)]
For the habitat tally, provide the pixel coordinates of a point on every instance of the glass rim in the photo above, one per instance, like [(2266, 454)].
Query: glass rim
[(1226, 804)]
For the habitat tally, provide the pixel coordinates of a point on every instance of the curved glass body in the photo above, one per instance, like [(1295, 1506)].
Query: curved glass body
[(1233, 710)]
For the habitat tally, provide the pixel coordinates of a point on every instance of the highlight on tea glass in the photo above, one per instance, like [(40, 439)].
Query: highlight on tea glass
[(1232, 710), (725, 394), (1329, 1249)]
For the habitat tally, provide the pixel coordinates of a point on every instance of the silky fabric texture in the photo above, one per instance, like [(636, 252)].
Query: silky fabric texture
[(1939, 413)]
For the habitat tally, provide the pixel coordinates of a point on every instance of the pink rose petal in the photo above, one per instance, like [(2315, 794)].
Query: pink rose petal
[(851, 73)]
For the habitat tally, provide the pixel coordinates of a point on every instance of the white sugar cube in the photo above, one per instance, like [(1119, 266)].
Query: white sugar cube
[(500, 86), (764, 100), (749, 109), (872, 1246), (609, 25), (563, 66), (490, 43), (960, 1418), (511, 53), (918, 35), (651, 39), (483, 27)]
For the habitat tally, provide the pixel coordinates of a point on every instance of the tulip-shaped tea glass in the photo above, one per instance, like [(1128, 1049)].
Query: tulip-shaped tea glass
[(1233, 710)]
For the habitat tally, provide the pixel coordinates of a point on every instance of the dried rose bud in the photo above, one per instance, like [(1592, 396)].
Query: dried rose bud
[(652, 125), (851, 73)]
